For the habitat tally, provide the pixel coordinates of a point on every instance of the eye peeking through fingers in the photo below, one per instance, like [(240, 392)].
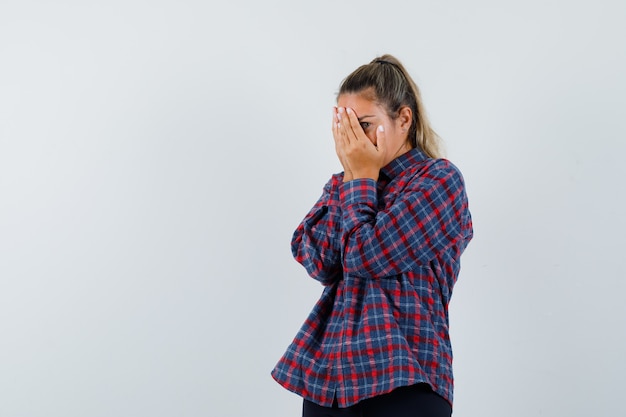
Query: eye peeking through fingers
[(365, 125)]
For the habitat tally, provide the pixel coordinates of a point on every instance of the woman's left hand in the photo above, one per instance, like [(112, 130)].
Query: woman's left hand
[(354, 147)]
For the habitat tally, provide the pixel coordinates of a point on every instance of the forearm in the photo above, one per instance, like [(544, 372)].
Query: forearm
[(316, 242), (320, 257), (426, 219)]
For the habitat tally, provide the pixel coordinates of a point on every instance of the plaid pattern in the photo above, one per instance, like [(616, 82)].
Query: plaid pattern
[(388, 255)]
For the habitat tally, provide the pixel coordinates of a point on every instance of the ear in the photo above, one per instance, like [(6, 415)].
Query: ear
[(405, 117)]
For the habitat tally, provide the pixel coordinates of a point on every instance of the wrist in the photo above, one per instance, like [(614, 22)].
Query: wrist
[(366, 174)]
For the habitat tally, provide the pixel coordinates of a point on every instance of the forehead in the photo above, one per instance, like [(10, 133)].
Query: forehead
[(360, 103)]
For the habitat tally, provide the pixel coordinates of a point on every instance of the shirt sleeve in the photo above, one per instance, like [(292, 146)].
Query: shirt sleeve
[(429, 215), (316, 243)]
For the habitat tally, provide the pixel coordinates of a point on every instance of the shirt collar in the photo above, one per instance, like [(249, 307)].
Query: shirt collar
[(404, 161)]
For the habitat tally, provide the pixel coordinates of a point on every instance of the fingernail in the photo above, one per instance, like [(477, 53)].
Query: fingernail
[(381, 128), (349, 110)]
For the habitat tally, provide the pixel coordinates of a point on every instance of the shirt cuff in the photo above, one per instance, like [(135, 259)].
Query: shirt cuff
[(358, 191)]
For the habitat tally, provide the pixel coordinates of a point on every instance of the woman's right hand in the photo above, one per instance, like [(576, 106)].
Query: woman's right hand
[(347, 172)]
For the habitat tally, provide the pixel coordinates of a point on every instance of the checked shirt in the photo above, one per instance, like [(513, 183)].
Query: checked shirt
[(387, 253)]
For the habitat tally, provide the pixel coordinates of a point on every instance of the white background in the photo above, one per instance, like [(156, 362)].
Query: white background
[(155, 157)]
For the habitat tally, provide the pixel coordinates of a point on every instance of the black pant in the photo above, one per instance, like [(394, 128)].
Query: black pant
[(412, 401)]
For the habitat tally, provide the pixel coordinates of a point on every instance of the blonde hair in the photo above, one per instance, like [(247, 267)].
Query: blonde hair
[(393, 88)]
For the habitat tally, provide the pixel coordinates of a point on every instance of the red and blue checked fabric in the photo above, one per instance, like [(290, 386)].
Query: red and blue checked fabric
[(388, 254)]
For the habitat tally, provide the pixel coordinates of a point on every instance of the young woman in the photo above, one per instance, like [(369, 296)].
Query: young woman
[(385, 239)]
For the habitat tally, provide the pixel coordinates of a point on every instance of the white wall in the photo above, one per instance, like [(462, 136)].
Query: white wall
[(155, 157)]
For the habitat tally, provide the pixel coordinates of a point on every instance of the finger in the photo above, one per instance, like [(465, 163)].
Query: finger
[(354, 125), (337, 129), (339, 136), (357, 131), (335, 121), (381, 139), (348, 117), (346, 123), (342, 125)]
